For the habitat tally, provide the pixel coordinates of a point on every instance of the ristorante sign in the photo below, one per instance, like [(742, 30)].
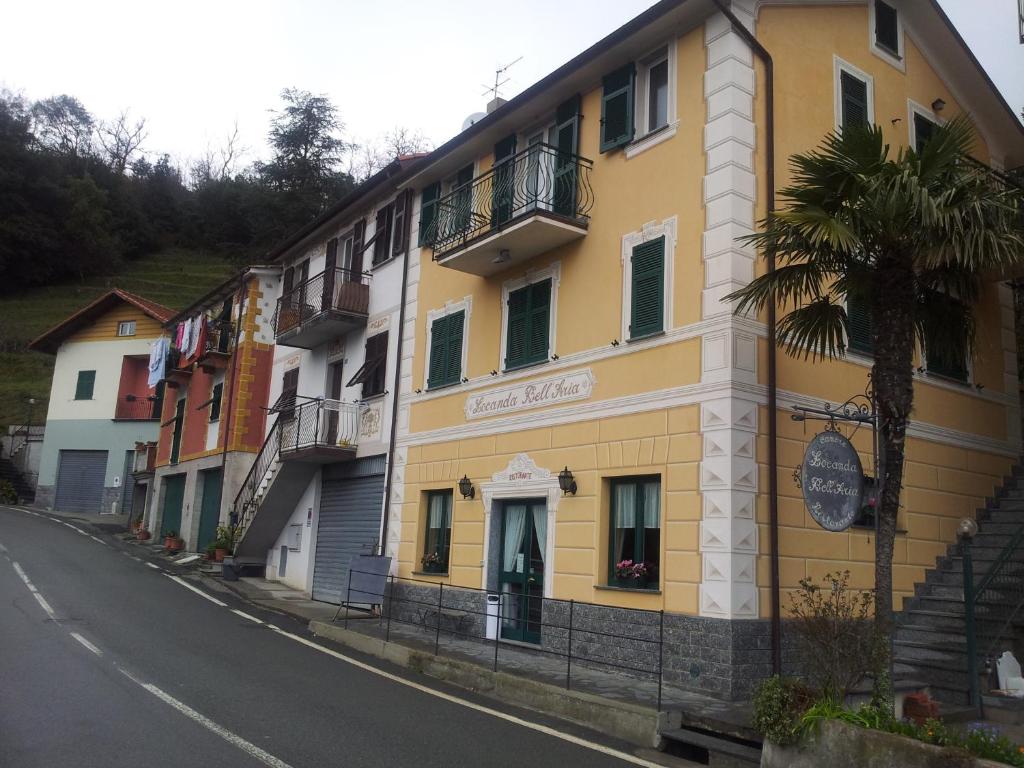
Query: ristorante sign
[(577, 385), (832, 481)]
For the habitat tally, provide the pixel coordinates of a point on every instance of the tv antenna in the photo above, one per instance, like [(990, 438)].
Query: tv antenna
[(498, 82)]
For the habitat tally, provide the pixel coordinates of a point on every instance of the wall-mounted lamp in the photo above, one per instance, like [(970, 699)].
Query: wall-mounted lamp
[(466, 488), (938, 105), (503, 256), (566, 482)]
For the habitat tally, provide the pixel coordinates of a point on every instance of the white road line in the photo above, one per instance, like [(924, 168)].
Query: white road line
[(245, 615), (199, 592), (87, 644), (32, 588), (154, 566), (248, 747), (3, 548), (580, 742), (43, 604), (22, 574), (98, 539)]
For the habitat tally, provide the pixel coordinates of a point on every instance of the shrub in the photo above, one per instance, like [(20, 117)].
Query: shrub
[(840, 642), (779, 706), (7, 493)]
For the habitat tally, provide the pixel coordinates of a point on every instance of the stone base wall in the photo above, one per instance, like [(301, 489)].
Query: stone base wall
[(45, 495)]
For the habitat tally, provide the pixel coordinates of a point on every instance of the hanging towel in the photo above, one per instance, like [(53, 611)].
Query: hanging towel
[(186, 337), (158, 361), (199, 339), (178, 332)]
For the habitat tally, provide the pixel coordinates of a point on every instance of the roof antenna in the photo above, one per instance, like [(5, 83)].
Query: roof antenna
[(498, 82)]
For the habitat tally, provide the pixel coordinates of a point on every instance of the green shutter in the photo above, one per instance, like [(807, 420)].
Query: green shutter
[(540, 315), (446, 350), (85, 384), (518, 327), (886, 28), (858, 326), (647, 305), (529, 317), (854, 100), (567, 141), (428, 213), (617, 108), (215, 398)]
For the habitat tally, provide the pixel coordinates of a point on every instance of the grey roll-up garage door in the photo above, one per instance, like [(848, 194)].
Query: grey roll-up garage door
[(350, 510), (80, 476)]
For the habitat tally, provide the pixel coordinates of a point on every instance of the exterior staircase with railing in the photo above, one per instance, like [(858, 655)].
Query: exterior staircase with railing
[(931, 639)]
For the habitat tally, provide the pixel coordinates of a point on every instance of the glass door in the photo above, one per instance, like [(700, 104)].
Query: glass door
[(523, 538)]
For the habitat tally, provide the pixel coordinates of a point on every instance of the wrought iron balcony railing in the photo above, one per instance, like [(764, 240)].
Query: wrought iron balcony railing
[(330, 424), (538, 180), (335, 291)]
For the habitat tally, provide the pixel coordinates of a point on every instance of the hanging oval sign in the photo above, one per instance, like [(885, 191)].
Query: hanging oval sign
[(832, 481)]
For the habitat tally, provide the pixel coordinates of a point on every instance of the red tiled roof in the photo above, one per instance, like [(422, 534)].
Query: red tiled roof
[(51, 340)]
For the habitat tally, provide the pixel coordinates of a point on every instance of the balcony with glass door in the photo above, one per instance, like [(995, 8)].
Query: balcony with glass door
[(527, 204), (322, 308)]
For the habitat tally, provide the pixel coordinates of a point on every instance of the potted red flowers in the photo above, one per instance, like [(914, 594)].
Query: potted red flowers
[(633, 575)]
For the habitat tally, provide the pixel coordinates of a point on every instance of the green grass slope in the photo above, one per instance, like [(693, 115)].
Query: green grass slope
[(174, 278)]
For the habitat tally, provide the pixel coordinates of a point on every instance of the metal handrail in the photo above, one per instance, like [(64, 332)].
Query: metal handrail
[(244, 504), (338, 289), (320, 423), (538, 179)]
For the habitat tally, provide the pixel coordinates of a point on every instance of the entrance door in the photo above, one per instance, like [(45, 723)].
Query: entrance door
[(524, 526), (80, 476), (334, 393), (174, 496), (209, 511)]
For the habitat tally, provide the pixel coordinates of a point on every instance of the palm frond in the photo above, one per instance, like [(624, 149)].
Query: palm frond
[(816, 331)]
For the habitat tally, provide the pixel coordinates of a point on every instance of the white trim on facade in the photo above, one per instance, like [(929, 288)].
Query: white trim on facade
[(899, 61), (913, 108), (552, 271), (644, 139), (839, 66), (649, 231), (450, 308)]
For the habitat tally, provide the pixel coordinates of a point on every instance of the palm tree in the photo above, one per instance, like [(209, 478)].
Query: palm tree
[(911, 237)]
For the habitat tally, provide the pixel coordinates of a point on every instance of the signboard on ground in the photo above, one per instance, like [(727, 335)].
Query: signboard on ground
[(367, 578), (832, 481)]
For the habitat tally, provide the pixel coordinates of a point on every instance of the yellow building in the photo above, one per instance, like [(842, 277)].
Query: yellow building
[(566, 316)]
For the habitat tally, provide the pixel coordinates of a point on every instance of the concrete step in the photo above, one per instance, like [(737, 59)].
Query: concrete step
[(936, 672), (929, 635), (710, 748)]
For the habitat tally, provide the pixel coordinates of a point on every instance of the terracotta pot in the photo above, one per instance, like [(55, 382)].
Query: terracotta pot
[(173, 543), (219, 555), (143, 535)]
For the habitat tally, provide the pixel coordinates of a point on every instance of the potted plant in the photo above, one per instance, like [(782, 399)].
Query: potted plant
[(171, 541), (633, 575), (142, 534), (224, 543), (211, 551), (432, 563)]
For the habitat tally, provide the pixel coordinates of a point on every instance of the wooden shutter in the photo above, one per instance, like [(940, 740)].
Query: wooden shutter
[(358, 238), (380, 236), (854, 100), (289, 280), (886, 28), (503, 192), (647, 301), (428, 213), (617, 107), (453, 369), (401, 225), (330, 274), (215, 398), (289, 391), (567, 139), (540, 314), (436, 376), (858, 325), (518, 328)]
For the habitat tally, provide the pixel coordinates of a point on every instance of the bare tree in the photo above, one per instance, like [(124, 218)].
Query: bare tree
[(217, 164), (121, 139), (368, 158), (62, 123)]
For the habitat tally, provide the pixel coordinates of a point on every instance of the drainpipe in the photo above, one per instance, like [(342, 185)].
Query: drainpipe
[(231, 396), (773, 462), (385, 518)]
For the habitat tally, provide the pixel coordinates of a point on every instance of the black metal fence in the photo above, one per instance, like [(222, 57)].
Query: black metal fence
[(580, 633), (337, 290), (321, 422)]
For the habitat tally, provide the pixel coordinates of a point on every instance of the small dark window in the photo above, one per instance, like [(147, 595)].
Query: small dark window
[(84, 386), (437, 539), (924, 129), (215, 398), (617, 108), (374, 368), (382, 234), (635, 540), (944, 357), (858, 325), (887, 28), (854, 100)]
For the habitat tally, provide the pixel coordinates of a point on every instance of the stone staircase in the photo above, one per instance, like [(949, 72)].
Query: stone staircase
[(930, 641)]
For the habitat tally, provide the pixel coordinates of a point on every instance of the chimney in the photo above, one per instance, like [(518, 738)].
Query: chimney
[(494, 103)]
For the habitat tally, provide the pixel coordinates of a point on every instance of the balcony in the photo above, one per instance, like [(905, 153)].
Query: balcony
[(323, 308), (319, 432), (524, 206), (134, 408), (219, 346)]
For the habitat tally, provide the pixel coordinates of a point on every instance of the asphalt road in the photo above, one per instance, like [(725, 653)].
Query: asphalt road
[(107, 661)]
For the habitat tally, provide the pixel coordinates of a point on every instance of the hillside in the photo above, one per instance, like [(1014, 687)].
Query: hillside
[(174, 278)]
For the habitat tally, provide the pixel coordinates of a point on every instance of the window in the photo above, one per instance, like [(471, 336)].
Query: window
[(529, 317), (853, 100), (654, 76), (635, 536), (647, 294), (372, 372), (382, 234), (944, 349), (446, 350), (617, 108), (215, 398), (437, 541), (428, 213), (126, 328), (858, 324), (887, 35), (285, 404), (85, 384), (923, 131)]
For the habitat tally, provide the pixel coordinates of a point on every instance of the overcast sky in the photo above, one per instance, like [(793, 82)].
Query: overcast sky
[(195, 67)]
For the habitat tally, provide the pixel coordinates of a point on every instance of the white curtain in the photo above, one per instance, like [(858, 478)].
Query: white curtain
[(540, 525), (652, 505), (515, 524), (625, 505), (438, 511)]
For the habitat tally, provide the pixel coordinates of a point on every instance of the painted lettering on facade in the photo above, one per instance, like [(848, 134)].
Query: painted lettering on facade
[(578, 385)]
